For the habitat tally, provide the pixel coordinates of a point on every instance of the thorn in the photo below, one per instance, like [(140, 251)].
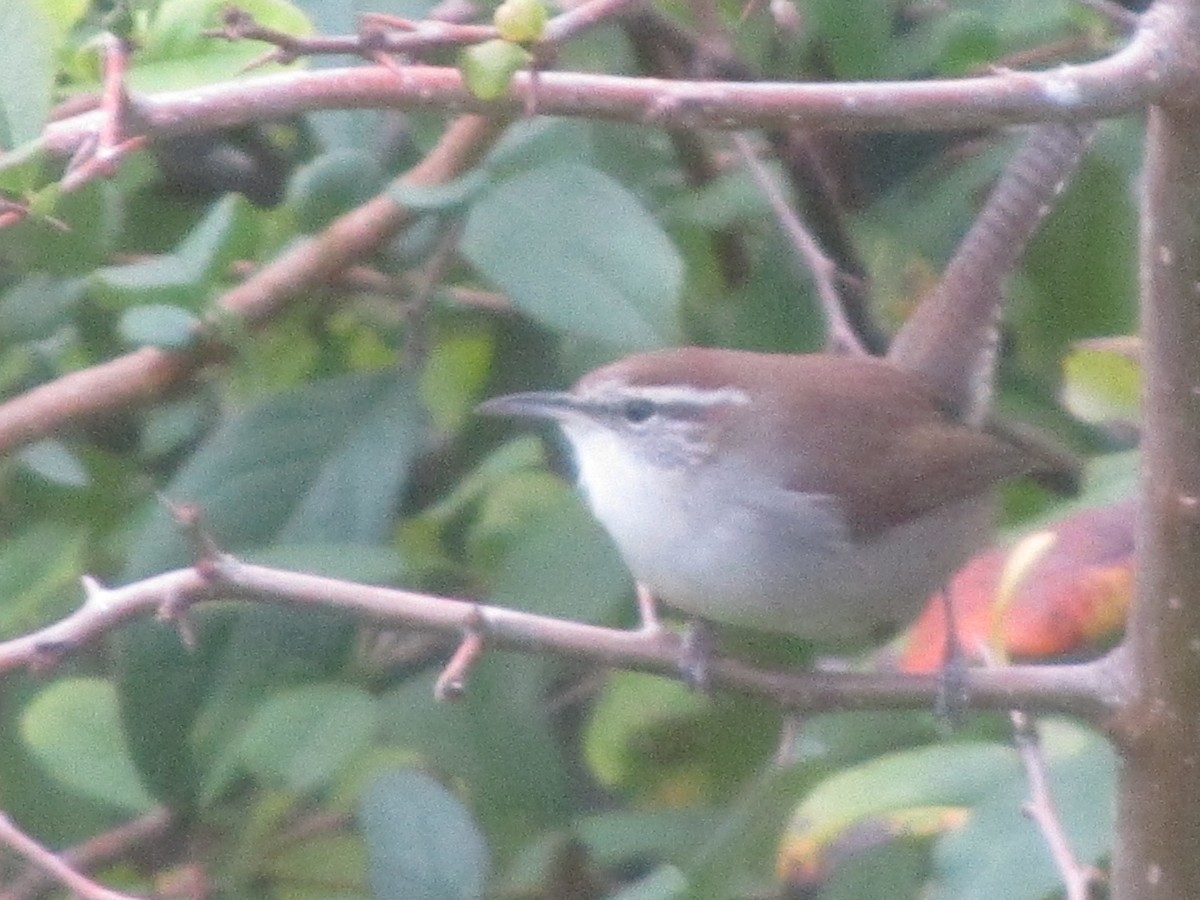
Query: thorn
[(386, 60), (277, 55), (174, 610), (189, 518), (95, 593), (452, 683)]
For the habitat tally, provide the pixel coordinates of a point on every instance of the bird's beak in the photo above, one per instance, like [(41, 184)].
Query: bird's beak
[(555, 405)]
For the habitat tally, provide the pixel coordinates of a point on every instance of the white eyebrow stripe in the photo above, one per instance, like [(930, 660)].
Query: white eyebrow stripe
[(667, 395)]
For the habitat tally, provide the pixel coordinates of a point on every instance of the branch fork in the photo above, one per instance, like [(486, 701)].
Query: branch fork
[(100, 154)]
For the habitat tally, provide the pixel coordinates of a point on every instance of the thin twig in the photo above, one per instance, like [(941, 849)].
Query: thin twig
[(840, 337), (431, 274), (452, 683), (376, 37), (584, 17), (53, 865), (100, 157), (384, 34), (1078, 879), (110, 846)]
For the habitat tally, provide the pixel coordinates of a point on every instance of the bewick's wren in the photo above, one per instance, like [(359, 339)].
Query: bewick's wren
[(823, 495), (819, 495)]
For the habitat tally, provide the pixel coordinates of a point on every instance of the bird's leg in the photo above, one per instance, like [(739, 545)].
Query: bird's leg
[(951, 702), (648, 609), (697, 647), (695, 661)]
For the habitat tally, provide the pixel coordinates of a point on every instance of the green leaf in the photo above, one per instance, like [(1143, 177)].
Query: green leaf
[(22, 168), (162, 687), (935, 776), (170, 428), (529, 144), (303, 737), (561, 563), (311, 867), (182, 278), (1102, 387), (332, 184), (999, 846), (39, 574), (73, 729), (729, 199), (352, 562), (451, 195), (156, 325), (37, 306), (55, 462), (898, 869), (488, 68), (325, 463), (613, 840), (27, 34), (94, 216), (631, 702), (1082, 281), (577, 252), (422, 843), (500, 738), (745, 839), (854, 33), (64, 14)]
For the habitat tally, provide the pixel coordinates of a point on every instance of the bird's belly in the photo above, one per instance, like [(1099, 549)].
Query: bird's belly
[(813, 581), (784, 564)]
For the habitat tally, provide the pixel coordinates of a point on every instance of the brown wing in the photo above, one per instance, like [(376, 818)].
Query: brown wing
[(875, 439), (940, 464)]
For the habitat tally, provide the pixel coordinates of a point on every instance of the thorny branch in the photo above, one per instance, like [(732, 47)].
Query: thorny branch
[(100, 156), (54, 866), (1092, 690), (1123, 82), (1078, 879), (369, 43), (388, 35), (148, 374), (104, 848)]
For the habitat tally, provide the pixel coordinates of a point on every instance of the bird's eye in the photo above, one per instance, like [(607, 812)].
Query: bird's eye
[(637, 410)]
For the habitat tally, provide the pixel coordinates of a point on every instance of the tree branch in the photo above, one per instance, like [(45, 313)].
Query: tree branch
[(148, 374), (58, 869), (1089, 690), (107, 847), (1078, 879), (1155, 854), (1112, 86)]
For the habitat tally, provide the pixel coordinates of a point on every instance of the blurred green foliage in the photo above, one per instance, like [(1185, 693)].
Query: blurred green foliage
[(340, 440)]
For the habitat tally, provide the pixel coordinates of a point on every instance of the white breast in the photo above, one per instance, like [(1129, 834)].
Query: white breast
[(728, 548)]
